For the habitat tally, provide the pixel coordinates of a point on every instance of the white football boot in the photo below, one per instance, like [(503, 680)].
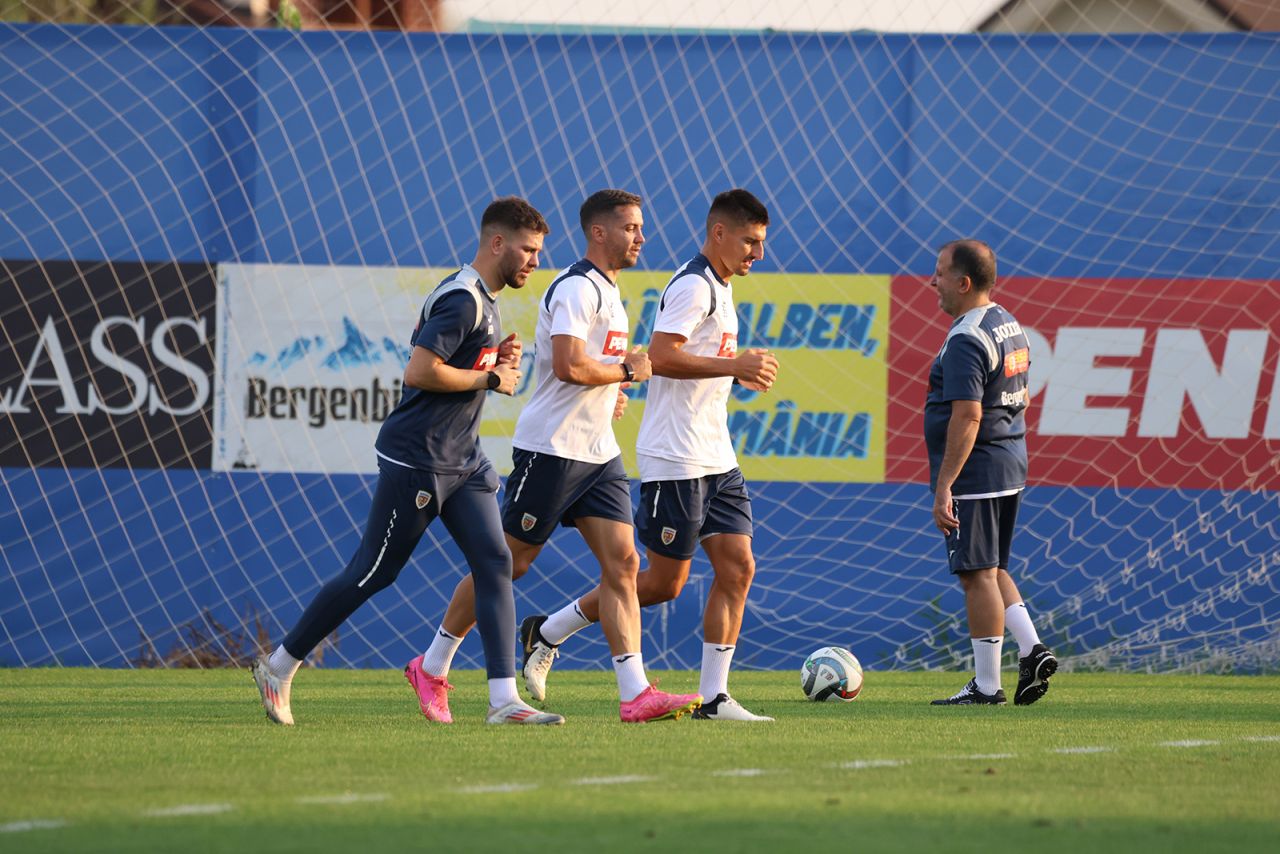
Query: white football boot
[(274, 692), (725, 708)]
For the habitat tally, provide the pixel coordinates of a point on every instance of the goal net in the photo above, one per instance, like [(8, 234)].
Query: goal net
[(214, 242)]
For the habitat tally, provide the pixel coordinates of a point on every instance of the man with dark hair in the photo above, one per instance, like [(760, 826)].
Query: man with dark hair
[(567, 466), (603, 204), (692, 490), (512, 214), (975, 432), (430, 464), (737, 207)]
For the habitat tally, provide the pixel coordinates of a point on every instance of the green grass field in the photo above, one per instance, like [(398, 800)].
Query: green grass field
[(159, 760)]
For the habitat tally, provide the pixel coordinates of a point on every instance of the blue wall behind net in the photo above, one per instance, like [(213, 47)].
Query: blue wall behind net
[(1093, 156), (1108, 156), (102, 558)]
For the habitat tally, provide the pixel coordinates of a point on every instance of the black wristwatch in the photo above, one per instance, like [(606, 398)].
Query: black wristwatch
[(627, 374), (494, 381)]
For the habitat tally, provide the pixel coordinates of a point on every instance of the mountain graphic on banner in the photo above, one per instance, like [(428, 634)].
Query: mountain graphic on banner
[(356, 349)]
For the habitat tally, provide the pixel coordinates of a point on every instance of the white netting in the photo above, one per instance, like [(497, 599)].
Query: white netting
[(214, 242)]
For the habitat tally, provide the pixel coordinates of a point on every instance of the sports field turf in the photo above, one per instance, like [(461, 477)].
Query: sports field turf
[(166, 760)]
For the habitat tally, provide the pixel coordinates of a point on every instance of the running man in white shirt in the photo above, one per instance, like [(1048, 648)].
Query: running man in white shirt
[(691, 487), (567, 463)]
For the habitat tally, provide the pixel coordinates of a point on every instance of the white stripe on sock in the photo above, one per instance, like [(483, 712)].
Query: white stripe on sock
[(716, 658), (439, 656), (1018, 622), (986, 663), (561, 625), (629, 668)]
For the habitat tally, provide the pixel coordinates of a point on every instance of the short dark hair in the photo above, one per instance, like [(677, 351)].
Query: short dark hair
[(602, 202), (738, 207), (513, 213), (973, 258)]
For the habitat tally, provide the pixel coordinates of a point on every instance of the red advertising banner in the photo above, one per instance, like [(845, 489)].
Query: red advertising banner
[(1134, 383)]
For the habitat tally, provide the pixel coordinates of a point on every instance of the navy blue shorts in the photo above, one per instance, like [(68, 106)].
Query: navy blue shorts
[(985, 533), (544, 490), (674, 515)]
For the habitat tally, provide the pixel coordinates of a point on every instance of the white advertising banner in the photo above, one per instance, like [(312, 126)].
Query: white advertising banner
[(309, 365)]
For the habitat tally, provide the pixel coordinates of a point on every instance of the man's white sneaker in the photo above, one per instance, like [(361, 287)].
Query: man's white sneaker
[(538, 657), (522, 713), (725, 708), (274, 693)]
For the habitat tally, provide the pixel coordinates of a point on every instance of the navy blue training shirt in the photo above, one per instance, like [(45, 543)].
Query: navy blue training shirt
[(439, 431), (985, 357)]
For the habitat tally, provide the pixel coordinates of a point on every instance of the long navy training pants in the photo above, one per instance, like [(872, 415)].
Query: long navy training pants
[(405, 502)]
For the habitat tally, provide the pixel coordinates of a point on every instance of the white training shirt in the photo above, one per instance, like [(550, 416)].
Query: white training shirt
[(685, 430), (575, 422)]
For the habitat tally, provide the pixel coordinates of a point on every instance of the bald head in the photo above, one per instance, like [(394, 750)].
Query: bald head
[(974, 259)]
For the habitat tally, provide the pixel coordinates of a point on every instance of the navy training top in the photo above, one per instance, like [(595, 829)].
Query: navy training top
[(985, 357), (440, 431)]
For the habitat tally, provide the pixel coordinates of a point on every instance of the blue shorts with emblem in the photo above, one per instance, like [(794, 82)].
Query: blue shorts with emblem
[(545, 490), (675, 515), (985, 535)]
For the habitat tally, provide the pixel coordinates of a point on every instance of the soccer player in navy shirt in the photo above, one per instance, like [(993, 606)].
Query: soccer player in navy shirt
[(567, 463), (975, 432), (430, 464)]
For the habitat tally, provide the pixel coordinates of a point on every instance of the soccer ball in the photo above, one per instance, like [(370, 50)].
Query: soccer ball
[(831, 673)]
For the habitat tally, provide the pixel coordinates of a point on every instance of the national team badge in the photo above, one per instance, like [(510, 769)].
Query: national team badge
[(668, 536), (527, 521), (423, 499)]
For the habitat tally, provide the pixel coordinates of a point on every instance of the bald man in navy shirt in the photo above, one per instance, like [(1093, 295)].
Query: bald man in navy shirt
[(975, 431)]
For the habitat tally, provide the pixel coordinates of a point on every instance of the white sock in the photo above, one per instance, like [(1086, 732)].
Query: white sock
[(438, 658), (629, 668), (986, 663), (502, 692), (715, 670), (563, 623), (283, 665), (1018, 622)]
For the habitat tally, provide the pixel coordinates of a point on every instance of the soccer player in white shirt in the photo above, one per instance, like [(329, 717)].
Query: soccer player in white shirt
[(691, 488), (567, 464)]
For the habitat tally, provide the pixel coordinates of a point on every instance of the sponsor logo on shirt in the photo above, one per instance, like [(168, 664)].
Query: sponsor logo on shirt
[(728, 345), (1005, 331), (615, 343), (1014, 399), (487, 360), (1017, 362)]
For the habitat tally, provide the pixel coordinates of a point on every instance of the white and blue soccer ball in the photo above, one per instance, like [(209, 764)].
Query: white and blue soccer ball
[(831, 673)]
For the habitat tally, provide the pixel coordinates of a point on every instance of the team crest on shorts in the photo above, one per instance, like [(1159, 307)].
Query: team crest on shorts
[(668, 536), (527, 521), (423, 499)]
